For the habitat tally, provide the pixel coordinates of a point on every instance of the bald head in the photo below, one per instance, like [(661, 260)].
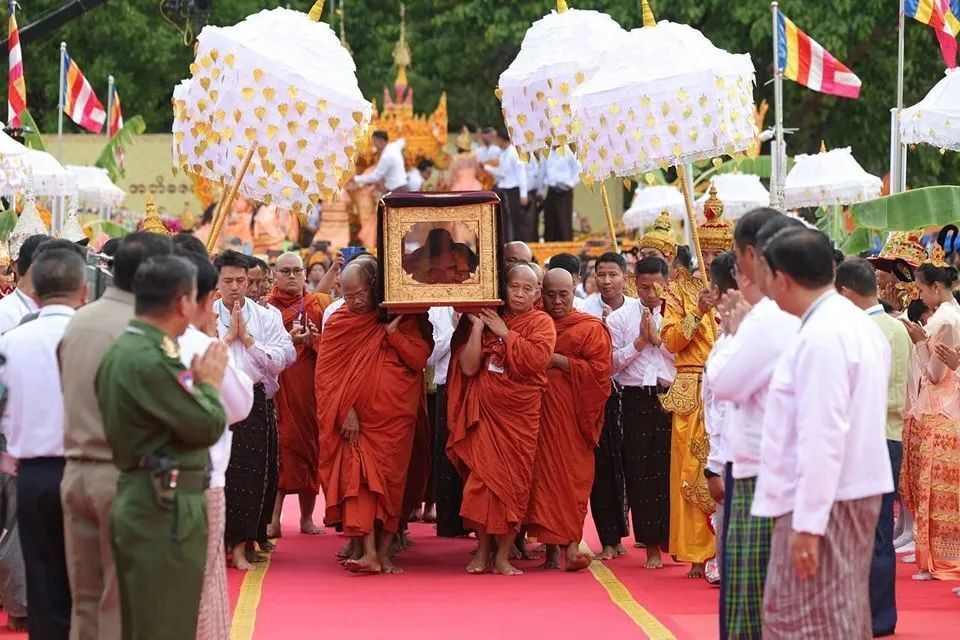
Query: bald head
[(558, 292), (517, 252), (291, 276), (357, 282), (523, 289)]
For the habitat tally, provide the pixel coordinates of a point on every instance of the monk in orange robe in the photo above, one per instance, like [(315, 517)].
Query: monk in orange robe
[(296, 402), (369, 379), (496, 380), (571, 417)]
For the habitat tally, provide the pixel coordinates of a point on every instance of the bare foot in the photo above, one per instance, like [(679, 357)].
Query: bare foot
[(344, 552), (430, 515), (516, 554), (552, 560), (241, 562), (17, 623), (696, 570), (621, 550), (415, 516), (477, 565), (267, 546), (923, 576), (273, 530), (654, 559), (308, 528), (608, 553), (504, 568), (387, 566), (366, 564), (576, 559)]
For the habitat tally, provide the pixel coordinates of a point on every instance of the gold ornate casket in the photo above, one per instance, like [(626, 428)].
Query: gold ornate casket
[(439, 249)]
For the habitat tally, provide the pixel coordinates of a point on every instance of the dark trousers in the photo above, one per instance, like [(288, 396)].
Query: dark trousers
[(429, 496), (448, 490), (646, 464), (721, 537), (883, 565), (41, 538), (558, 215), (526, 225), (608, 496)]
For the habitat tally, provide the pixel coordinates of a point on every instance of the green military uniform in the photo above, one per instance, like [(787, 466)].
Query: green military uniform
[(151, 408)]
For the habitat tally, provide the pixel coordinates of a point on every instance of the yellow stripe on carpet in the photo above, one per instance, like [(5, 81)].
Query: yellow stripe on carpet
[(245, 615), (621, 596)]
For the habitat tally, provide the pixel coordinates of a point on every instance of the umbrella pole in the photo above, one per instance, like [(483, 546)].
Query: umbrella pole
[(692, 221), (228, 201), (609, 216)]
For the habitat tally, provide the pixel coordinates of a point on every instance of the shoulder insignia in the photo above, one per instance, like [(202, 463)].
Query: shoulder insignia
[(169, 347), (185, 378)]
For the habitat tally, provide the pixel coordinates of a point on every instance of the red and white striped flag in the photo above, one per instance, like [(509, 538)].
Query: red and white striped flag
[(80, 103), (17, 95), (115, 123)]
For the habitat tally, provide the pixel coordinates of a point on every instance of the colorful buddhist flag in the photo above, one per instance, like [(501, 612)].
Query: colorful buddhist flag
[(941, 16), (17, 86), (115, 123), (802, 59), (80, 103)]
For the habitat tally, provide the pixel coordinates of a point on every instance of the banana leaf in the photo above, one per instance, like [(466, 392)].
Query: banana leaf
[(109, 227), (915, 209), (862, 239), (8, 220), (31, 132), (125, 138)]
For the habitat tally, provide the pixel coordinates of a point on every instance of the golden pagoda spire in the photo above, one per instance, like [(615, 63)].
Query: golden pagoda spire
[(648, 19), (561, 6), (151, 219), (401, 52)]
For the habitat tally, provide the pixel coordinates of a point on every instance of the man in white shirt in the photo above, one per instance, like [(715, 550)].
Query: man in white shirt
[(561, 175), (510, 175), (19, 302), (418, 175), (759, 333), (608, 497), (644, 370), (823, 454), (262, 348), (486, 150), (33, 426), (390, 169), (236, 395)]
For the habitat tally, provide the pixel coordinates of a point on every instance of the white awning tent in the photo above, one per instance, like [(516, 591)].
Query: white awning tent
[(46, 176), (649, 202), (829, 178), (95, 187), (739, 193)]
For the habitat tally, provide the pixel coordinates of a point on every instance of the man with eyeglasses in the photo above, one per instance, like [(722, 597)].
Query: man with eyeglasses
[(296, 403), (263, 349)]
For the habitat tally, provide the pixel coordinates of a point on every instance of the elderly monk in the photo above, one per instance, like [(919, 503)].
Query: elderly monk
[(369, 377), (571, 417), (296, 403), (496, 380), (517, 253)]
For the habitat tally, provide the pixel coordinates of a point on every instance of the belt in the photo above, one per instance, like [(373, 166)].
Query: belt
[(193, 480), (648, 391), (86, 460), (689, 369)]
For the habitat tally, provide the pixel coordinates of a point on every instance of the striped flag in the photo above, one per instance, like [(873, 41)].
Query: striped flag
[(80, 103), (114, 124), (17, 89), (941, 16), (802, 59)]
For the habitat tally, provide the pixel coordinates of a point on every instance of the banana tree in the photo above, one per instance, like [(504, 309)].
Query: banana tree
[(124, 139)]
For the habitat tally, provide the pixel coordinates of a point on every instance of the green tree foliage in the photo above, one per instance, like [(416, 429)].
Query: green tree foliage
[(461, 46)]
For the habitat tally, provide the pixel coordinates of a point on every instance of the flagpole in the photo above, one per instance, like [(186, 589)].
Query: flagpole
[(109, 104), (777, 164), (898, 160), (63, 57)]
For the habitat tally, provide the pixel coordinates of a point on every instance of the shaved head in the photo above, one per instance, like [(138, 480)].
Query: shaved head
[(522, 289), (558, 293), (517, 252), (357, 282), (291, 276), (289, 259)]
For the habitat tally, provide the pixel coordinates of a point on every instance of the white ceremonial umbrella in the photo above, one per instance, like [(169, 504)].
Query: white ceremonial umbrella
[(739, 193), (649, 202), (273, 107), (95, 187), (935, 120), (664, 96), (47, 177), (559, 52), (11, 163), (829, 178)]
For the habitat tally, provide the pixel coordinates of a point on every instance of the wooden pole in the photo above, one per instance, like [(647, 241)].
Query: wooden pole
[(692, 221), (609, 215), (228, 201)]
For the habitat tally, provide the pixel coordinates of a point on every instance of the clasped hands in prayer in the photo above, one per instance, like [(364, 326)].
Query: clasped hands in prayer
[(209, 368), (238, 328), (733, 308), (303, 334), (648, 332)]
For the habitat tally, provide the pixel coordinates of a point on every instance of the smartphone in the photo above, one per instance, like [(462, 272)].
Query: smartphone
[(349, 253)]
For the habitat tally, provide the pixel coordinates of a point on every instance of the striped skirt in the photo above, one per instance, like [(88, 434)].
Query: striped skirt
[(747, 551), (834, 603), (214, 620)]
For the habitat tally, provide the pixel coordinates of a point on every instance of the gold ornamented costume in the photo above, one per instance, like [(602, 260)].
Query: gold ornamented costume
[(905, 247), (690, 337), (660, 238)]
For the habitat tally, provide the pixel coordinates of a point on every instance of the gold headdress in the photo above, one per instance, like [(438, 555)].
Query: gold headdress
[(716, 233), (463, 140), (937, 257), (660, 237), (151, 219), (900, 245)]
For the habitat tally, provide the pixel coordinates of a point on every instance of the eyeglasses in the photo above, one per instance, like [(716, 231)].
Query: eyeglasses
[(286, 273)]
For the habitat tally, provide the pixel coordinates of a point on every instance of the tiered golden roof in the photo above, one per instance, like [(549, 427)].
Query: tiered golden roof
[(660, 237), (716, 233), (151, 219), (901, 245)]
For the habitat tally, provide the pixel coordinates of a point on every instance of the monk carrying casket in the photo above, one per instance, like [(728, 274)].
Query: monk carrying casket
[(369, 378), (496, 380), (571, 417)]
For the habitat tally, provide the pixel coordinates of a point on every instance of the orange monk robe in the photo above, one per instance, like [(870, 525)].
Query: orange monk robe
[(571, 418), (380, 376), (296, 401), (494, 419)]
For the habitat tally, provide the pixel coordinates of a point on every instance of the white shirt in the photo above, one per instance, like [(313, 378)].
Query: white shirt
[(510, 173), (485, 154), (329, 311), (719, 415), (593, 304), (33, 418), (742, 375), (824, 429), (390, 168), (561, 171), (534, 176), (632, 368), (579, 304), (414, 180), (236, 395), (272, 350), (13, 307), (442, 320)]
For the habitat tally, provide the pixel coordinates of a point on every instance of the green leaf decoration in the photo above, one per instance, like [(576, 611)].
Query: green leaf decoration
[(31, 138), (915, 209), (125, 138), (859, 241), (8, 220), (112, 229)]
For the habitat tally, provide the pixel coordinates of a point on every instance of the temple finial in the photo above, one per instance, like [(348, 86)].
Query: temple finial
[(561, 6), (648, 19), (316, 11)]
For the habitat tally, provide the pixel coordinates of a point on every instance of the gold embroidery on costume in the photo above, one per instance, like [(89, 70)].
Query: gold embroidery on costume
[(689, 325), (683, 398)]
